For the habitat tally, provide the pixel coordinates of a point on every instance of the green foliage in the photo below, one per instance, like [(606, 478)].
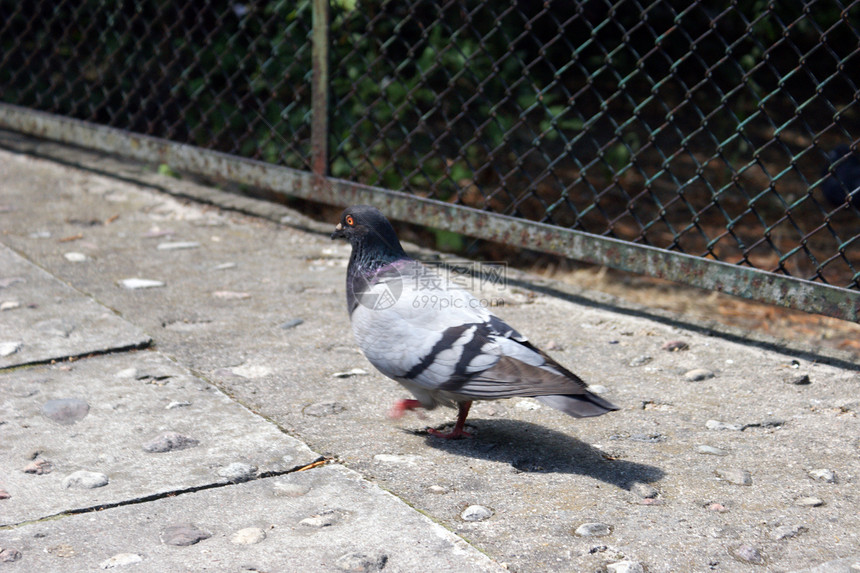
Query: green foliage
[(388, 83), (168, 171), (449, 241), (617, 156)]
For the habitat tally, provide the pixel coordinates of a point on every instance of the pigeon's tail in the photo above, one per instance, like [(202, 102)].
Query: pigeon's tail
[(579, 405)]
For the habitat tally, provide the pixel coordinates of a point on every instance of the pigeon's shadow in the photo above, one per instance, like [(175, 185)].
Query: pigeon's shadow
[(532, 448)]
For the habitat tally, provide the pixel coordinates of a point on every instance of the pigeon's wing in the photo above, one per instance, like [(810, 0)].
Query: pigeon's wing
[(519, 370), (526, 371), (418, 329), (447, 341)]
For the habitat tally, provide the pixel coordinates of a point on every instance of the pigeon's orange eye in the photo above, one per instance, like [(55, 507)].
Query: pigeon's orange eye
[(349, 220)]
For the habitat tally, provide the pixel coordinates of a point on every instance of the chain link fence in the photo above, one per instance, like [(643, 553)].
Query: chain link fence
[(715, 130)]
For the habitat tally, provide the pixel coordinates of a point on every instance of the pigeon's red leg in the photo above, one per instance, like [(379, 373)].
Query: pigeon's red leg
[(401, 406), (457, 432)]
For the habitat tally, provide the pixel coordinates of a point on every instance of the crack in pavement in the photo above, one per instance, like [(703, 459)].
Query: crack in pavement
[(319, 462)]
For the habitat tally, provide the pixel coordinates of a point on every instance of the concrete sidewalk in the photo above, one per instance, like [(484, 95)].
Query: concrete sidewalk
[(218, 416)]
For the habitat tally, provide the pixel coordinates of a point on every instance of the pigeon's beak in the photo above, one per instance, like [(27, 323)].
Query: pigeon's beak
[(338, 232)]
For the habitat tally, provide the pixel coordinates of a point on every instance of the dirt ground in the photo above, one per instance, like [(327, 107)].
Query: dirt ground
[(698, 304)]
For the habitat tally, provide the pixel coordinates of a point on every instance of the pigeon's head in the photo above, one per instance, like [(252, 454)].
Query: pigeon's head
[(367, 229)]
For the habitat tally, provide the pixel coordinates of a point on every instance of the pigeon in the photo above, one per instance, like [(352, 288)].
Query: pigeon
[(843, 169), (438, 340)]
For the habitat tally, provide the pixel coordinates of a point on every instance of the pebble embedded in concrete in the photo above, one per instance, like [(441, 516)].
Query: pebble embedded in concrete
[(137, 283), (476, 513), (231, 295), (127, 373), (718, 425), (238, 472), (641, 360), (324, 519), (528, 404), (292, 323), (593, 529), (625, 567), (644, 490), (10, 348), (361, 563), (38, 467), (808, 501), (120, 560), (178, 246), (735, 476), (62, 550), (823, 474), (711, 451), (748, 554), (183, 534), (248, 536), (75, 257), (156, 232), (322, 409), (65, 411), (675, 346), (351, 373), (9, 555), (697, 375), (287, 489), (84, 479), (786, 532), (408, 459), (251, 371), (168, 442)]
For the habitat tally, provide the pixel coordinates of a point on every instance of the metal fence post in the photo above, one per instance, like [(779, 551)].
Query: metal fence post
[(320, 88)]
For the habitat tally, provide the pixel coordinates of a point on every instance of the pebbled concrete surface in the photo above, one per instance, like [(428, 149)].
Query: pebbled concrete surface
[(325, 519), (133, 400), (740, 466), (45, 319)]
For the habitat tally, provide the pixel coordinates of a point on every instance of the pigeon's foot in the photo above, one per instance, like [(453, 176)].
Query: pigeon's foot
[(401, 406), (457, 432)]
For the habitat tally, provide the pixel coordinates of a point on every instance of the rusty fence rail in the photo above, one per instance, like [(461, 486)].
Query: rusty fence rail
[(703, 142)]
